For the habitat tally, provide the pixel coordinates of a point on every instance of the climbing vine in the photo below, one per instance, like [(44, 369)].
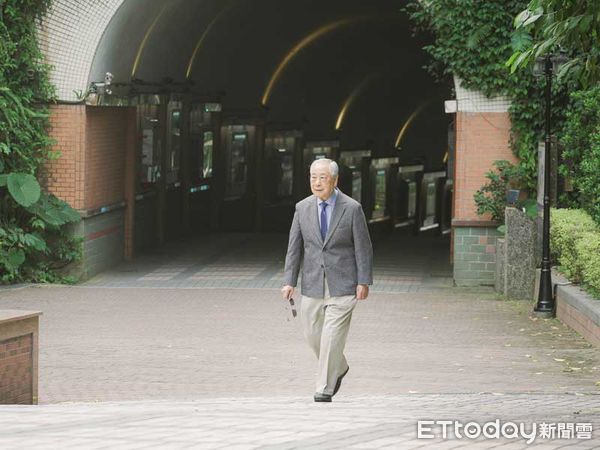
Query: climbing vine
[(472, 40), (34, 243)]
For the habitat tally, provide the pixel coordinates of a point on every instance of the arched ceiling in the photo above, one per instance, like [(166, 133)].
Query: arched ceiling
[(237, 46)]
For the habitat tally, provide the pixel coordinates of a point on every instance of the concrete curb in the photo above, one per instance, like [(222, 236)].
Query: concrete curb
[(575, 307)]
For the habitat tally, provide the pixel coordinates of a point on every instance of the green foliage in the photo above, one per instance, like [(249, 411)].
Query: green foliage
[(575, 244), (581, 140), (547, 26), (567, 226), (491, 198), (34, 244), (588, 250), (472, 40), (24, 188)]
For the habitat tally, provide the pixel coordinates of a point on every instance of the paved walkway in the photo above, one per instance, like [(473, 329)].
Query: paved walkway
[(126, 364), (402, 264)]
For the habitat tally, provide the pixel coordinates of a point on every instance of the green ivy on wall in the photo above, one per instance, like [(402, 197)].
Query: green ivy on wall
[(34, 243), (472, 40)]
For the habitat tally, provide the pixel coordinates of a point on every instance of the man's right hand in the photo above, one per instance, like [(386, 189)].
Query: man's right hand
[(287, 291)]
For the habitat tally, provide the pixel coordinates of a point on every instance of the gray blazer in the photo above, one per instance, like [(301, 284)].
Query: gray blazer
[(346, 256)]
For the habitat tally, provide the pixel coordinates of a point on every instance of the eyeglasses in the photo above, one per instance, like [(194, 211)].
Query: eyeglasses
[(293, 305)]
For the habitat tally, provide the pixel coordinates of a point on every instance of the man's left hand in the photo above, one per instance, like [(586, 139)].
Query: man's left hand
[(362, 291)]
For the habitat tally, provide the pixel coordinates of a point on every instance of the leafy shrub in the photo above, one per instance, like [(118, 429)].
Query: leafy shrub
[(491, 198), (565, 227), (575, 245), (581, 140), (588, 249)]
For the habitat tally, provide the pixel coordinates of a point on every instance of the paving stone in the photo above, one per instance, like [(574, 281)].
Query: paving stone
[(128, 362)]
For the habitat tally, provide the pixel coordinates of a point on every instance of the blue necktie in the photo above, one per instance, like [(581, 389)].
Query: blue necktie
[(323, 220)]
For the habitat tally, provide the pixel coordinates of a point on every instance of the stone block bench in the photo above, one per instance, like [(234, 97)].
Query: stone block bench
[(19, 356)]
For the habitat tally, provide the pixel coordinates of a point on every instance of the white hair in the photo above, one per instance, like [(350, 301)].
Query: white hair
[(333, 166)]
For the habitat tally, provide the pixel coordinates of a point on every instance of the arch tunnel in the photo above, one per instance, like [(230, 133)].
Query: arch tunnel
[(232, 101)]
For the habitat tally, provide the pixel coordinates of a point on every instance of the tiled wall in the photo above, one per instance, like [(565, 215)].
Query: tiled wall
[(69, 36), (475, 255)]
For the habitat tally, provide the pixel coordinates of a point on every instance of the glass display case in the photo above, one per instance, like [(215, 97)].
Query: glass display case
[(173, 141), (431, 194), (352, 171), (202, 143), (356, 185), (280, 148), (380, 176), (407, 191), (150, 148), (237, 164), (319, 150), (207, 154), (380, 203)]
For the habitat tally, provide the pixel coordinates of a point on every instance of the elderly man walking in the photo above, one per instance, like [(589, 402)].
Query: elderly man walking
[(330, 240)]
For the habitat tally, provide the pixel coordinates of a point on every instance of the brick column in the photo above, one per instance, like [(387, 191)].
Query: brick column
[(65, 175), (482, 137), (90, 176)]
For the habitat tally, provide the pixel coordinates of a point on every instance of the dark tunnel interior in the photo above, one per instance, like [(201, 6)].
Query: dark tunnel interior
[(294, 82)]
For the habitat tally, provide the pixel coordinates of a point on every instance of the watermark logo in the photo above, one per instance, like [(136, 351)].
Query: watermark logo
[(496, 429)]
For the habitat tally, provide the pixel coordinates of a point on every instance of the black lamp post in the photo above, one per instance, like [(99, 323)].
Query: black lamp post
[(546, 306)]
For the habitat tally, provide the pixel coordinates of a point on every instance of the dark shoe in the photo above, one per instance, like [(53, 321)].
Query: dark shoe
[(339, 381), (322, 397)]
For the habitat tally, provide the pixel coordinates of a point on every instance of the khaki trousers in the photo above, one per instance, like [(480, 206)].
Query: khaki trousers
[(325, 323)]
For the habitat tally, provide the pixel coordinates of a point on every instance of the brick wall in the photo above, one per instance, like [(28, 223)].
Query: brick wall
[(90, 174), (16, 370), (584, 325), (19, 354), (65, 176), (106, 141), (92, 142), (481, 139)]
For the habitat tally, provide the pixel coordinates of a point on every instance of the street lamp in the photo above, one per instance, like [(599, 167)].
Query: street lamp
[(546, 306)]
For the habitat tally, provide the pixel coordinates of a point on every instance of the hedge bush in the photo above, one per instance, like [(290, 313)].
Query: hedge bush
[(575, 245), (581, 140), (588, 249)]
